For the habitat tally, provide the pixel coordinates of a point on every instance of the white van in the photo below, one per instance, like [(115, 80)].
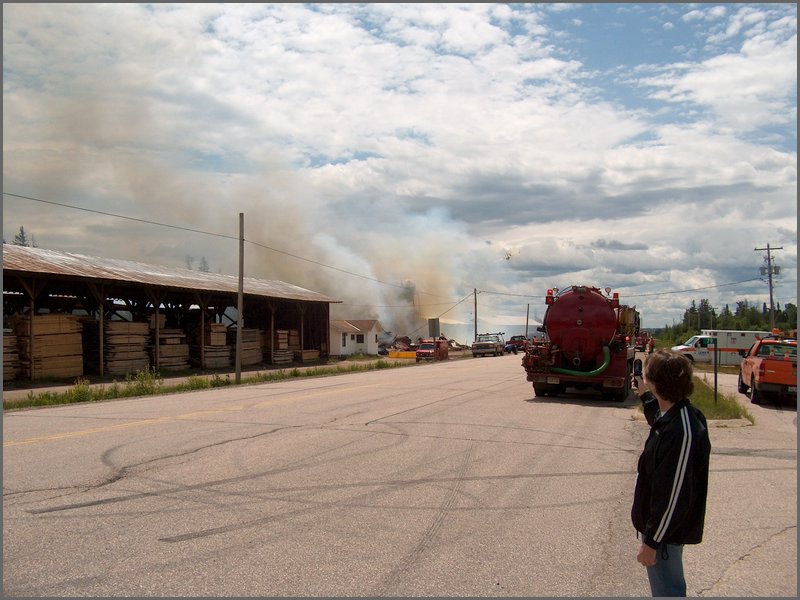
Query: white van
[(733, 345)]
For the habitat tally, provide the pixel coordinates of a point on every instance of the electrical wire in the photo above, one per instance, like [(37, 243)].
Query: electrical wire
[(230, 237), (395, 285), (108, 214)]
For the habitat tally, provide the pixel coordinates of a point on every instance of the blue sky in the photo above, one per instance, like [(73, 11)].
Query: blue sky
[(403, 149)]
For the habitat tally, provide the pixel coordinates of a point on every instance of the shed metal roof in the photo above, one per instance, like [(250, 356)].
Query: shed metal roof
[(25, 259)]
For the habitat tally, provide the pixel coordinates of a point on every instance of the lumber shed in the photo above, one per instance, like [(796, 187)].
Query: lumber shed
[(73, 314)]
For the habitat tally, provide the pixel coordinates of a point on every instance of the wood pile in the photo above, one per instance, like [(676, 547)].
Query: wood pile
[(309, 355), (282, 355), (10, 355), (56, 349), (294, 341), (251, 346), (125, 346), (215, 347), (173, 350)]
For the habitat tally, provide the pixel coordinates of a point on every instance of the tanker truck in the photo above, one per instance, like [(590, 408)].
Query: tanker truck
[(585, 345)]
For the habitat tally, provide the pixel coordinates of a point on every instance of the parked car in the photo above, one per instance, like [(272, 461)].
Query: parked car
[(517, 343), (488, 344), (769, 369)]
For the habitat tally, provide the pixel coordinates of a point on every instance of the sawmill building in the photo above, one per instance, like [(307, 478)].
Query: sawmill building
[(114, 317)]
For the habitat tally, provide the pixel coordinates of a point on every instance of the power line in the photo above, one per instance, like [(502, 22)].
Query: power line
[(230, 237), (444, 313), (710, 287), (108, 214), (264, 246)]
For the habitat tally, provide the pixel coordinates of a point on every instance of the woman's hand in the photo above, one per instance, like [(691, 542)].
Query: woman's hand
[(646, 555)]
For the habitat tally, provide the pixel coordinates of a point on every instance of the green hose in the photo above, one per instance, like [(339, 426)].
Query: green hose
[(597, 371)]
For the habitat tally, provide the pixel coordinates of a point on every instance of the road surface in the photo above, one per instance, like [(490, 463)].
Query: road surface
[(446, 479)]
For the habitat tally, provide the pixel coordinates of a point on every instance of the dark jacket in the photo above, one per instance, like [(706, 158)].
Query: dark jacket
[(669, 502)]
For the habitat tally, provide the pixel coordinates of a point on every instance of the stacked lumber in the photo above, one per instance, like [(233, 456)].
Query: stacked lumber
[(214, 349), (294, 340), (56, 349), (216, 334), (125, 346), (10, 355), (282, 355), (309, 355), (173, 351), (251, 345)]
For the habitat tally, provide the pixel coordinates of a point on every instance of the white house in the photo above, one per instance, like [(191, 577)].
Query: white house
[(355, 336)]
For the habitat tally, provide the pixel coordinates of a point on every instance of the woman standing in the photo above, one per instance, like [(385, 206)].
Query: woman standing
[(669, 502)]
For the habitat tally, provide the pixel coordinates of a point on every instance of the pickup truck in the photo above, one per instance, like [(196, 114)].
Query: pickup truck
[(488, 343), (430, 349), (769, 369), (517, 343)]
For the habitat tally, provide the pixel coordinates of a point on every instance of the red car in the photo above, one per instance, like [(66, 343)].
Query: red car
[(518, 342)]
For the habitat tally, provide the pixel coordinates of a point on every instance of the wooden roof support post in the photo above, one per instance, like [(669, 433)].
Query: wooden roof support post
[(202, 302), (155, 299), (327, 333), (302, 309), (33, 291), (99, 294), (271, 305)]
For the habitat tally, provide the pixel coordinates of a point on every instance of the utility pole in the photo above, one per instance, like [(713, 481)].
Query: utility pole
[(475, 294), (240, 302), (769, 271), (527, 316)]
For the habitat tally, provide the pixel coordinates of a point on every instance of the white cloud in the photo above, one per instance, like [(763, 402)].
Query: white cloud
[(392, 141)]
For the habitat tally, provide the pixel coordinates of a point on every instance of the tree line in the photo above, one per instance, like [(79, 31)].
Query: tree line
[(745, 315)]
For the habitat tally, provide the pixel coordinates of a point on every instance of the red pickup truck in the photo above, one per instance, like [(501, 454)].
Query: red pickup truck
[(769, 369)]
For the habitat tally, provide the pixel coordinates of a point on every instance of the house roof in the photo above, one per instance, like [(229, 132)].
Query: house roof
[(22, 260), (355, 326), (344, 327)]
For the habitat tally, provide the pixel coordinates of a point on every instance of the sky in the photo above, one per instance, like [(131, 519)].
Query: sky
[(401, 157)]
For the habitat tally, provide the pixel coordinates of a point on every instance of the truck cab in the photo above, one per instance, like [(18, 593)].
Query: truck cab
[(696, 348), (430, 349), (488, 343), (769, 369)]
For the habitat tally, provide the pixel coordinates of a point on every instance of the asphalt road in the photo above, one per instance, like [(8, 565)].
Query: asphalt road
[(445, 479)]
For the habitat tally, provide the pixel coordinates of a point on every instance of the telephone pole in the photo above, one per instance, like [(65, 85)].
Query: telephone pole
[(475, 292), (769, 271)]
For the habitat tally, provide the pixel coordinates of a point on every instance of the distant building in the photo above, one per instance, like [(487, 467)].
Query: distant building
[(355, 336)]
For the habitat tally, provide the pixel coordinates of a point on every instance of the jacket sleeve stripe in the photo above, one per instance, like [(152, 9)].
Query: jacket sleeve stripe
[(680, 473)]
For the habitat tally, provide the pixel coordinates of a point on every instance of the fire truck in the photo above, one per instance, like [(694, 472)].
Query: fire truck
[(586, 345)]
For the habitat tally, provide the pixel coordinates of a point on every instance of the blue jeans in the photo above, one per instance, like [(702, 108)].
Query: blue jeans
[(666, 576)]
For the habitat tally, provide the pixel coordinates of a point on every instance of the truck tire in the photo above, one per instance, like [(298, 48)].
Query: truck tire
[(742, 387), (539, 391), (755, 395)]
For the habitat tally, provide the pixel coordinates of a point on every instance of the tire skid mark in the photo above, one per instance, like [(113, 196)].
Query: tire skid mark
[(406, 564)]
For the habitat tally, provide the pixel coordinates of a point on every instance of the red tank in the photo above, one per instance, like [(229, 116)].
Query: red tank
[(581, 323), (585, 345)]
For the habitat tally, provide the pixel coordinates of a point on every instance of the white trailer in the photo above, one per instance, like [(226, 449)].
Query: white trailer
[(733, 345)]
